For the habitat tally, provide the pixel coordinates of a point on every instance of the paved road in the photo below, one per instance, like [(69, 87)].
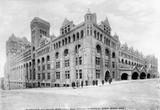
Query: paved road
[(139, 94)]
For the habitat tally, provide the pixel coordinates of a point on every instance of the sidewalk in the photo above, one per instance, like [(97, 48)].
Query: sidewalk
[(106, 84)]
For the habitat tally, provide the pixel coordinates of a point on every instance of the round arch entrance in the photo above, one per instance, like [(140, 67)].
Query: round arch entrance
[(143, 75), (107, 76), (135, 75), (148, 75), (124, 76)]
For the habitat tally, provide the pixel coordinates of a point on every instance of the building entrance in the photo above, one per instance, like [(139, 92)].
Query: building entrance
[(135, 75), (124, 76), (107, 76)]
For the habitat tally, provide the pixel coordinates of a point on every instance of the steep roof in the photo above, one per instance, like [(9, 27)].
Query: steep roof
[(37, 19), (106, 21), (65, 22)]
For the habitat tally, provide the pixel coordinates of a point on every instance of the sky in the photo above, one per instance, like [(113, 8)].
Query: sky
[(137, 22)]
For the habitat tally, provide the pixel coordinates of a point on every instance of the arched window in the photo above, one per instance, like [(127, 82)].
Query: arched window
[(82, 33), (33, 48), (27, 65), (59, 43), (48, 58), (107, 52), (65, 52), (38, 61), (42, 59), (101, 37), (122, 61), (113, 55), (126, 62), (77, 35), (98, 48), (77, 47), (57, 55), (62, 42), (129, 62), (98, 35), (56, 45), (74, 37), (95, 33), (69, 39), (65, 41)]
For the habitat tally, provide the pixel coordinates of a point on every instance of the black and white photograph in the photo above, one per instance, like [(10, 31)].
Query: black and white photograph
[(79, 54)]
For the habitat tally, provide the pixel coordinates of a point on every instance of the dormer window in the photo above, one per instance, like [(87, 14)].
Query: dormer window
[(65, 30), (66, 26)]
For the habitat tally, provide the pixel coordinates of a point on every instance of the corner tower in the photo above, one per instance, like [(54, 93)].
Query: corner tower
[(90, 17), (39, 28)]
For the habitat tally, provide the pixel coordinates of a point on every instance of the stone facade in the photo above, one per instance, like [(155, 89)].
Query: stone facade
[(85, 53), (134, 65)]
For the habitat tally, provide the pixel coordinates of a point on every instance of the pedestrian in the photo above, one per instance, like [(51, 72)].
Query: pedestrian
[(110, 80), (102, 82), (77, 84), (73, 85), (82, 84)]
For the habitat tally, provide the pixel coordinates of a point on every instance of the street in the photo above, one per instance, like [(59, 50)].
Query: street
[(133, 94)]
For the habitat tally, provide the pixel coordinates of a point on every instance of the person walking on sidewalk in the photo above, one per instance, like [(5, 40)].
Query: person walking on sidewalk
[(110, 80), (82, 84)]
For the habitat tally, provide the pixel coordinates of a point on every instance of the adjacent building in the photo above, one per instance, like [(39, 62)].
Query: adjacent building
[(85, 53)]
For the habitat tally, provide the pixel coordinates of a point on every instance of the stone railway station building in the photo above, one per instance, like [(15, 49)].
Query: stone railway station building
[(86, 53)]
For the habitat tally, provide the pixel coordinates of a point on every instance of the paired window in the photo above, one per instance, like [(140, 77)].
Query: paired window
[(39, 76), (66, 63), (97, 73), (48, 76), (79, 74), (43, 67), (78, 60), (57, 75), (39, 68), (48, 66), (67, 74), (57, 64), (97, 61), (106, 63)]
